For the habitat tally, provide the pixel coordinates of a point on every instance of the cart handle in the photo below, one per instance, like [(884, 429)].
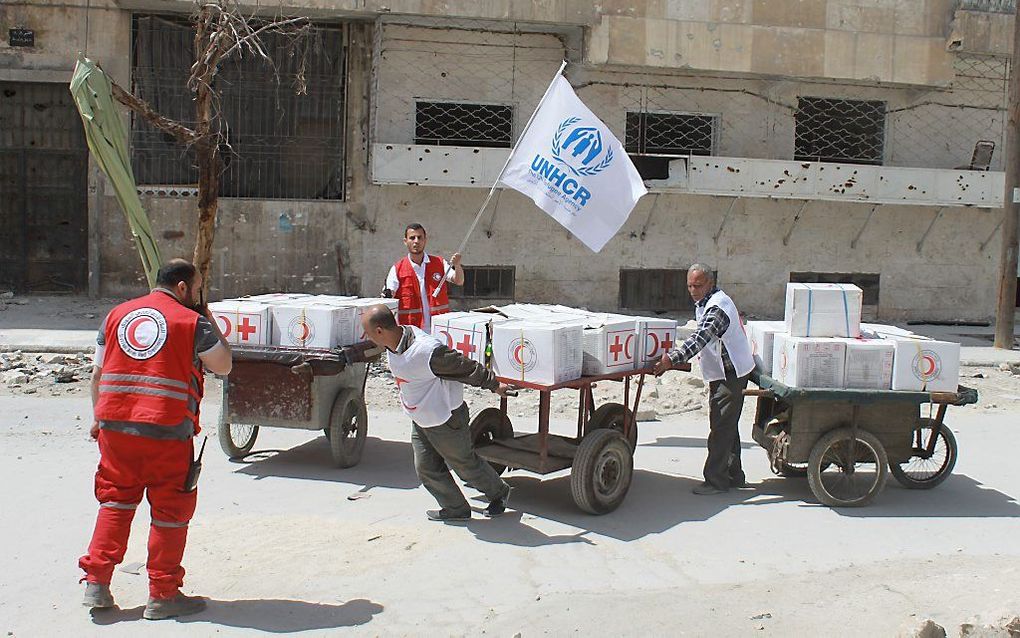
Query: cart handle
[(765, 394), (303, 369)]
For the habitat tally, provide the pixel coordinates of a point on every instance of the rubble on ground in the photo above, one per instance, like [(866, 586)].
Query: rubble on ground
[(31, 371)]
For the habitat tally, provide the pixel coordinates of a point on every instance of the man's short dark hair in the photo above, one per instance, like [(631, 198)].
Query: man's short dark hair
[(415, 226), (174, 272), (381, 316)]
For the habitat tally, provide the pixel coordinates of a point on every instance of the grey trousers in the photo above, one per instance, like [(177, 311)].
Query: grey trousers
[(439, 449), (725, 403)]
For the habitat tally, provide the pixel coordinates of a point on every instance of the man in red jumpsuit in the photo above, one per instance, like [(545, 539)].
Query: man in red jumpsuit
[(414, 279), (147, 384)]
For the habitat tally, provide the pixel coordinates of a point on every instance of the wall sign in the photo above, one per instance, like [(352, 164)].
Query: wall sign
[(21, 37)]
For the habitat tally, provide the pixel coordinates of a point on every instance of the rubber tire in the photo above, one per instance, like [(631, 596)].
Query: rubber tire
[(596, 449), (491, 425), (610, 416), (952, 450), (793, 471), (230, 447), (348, 408), (815, 467)]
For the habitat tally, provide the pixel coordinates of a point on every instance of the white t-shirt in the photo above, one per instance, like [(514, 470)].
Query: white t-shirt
[(392, 283)]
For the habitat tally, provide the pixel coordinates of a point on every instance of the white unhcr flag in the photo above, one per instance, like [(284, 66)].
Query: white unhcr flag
[(574, 168)]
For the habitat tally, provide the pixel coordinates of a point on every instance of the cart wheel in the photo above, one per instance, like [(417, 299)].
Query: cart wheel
[(348, 427), (603, 467), (924, 471), (237, 439), (843, 472), (491, 425), (610, 416)]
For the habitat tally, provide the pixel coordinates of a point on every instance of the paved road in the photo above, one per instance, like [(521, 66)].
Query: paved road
[(279, 547)]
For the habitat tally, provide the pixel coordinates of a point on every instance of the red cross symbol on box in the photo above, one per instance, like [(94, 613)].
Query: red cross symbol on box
[(616, 348), (466, 347), (245, 329), (666, 343)]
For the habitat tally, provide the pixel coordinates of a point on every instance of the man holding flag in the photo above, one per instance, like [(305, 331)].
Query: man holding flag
[(418, 281)]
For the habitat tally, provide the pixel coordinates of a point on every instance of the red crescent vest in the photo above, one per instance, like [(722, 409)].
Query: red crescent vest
[(148, 373), (409, 294)]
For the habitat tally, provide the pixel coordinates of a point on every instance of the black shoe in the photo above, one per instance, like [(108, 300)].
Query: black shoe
[(445, 516), (498, 506), (706, 489), (739, 483)]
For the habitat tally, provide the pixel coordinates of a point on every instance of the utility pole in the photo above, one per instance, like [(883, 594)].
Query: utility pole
[(1004, 313)]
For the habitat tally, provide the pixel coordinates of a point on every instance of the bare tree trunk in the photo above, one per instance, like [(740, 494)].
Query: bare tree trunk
[(1005, 311), (207, 157)]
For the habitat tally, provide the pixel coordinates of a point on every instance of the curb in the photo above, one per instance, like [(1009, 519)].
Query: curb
[(35, 347)]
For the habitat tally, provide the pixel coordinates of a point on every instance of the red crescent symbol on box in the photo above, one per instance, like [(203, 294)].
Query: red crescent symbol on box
[(225, 325), (517, 354), (929, 366), (133, 327), (304, 331), (449, 339), (783, 362), (626, 346), (655, 349)]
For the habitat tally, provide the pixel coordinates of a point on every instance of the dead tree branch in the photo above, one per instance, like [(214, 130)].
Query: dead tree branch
[(181, 133)]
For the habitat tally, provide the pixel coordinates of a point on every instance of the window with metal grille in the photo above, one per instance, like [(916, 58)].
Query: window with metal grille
[(463, 124), (652, 139), (486, 282), (838, 130), (279, 145), (867, 282), (658, 289)]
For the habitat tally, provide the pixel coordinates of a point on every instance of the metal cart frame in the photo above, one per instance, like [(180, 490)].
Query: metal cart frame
[(297, 388), (600, 455), (835, 437)]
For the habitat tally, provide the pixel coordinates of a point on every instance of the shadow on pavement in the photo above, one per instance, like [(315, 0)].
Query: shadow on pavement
[(383, 464), (275, 616), (689, 441), (959, 496), (509, 529), (655, 503)]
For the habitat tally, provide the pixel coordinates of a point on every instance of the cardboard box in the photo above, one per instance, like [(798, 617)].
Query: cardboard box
[(242, 322), (869, 364), (534, 352), (882, 331), (823, 310), (359, 304), (656, 336), (806, 362), (466, 332), (761, 336), (306, 326), (610, 346), (925, 364)]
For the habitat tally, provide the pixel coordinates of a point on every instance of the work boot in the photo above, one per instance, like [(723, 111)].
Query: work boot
[(97, 596), (179, 605), (706, 489), (498, 506), (446, 516)]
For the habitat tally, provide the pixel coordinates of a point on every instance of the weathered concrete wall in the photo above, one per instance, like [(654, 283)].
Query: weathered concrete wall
[(887, 41), (949, 278)]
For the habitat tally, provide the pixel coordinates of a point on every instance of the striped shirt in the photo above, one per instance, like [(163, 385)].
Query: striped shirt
[(713, 325)]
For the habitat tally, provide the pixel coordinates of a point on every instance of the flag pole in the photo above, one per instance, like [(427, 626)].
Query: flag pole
[(495, 184)]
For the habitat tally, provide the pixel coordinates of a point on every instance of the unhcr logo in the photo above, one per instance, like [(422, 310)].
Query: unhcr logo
[(577, 152)]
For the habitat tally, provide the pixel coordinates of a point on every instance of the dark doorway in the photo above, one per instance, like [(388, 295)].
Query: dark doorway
[(43, 205)]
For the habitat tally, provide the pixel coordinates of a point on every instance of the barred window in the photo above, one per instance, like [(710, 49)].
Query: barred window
[(463, 124), (838, 130), (652, 139), (868, 282), (658, 289), (279, 145), (486, 282)]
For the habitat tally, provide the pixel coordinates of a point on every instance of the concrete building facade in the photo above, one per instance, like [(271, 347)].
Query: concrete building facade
[(812, 139)]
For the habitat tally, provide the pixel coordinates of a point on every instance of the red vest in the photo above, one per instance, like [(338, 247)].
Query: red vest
[(409, 294), (148, 373)]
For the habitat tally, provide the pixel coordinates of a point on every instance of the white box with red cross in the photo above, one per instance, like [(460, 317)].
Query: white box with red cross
[(610, 344), (465, 332), (540, 353), (242, 322), (657, 336)]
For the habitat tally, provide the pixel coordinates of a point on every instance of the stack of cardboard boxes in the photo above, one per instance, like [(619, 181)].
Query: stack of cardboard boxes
[(823, 344), (293, 320)]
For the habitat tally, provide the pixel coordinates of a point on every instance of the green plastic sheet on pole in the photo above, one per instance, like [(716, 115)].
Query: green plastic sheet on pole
[(108, 142)]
